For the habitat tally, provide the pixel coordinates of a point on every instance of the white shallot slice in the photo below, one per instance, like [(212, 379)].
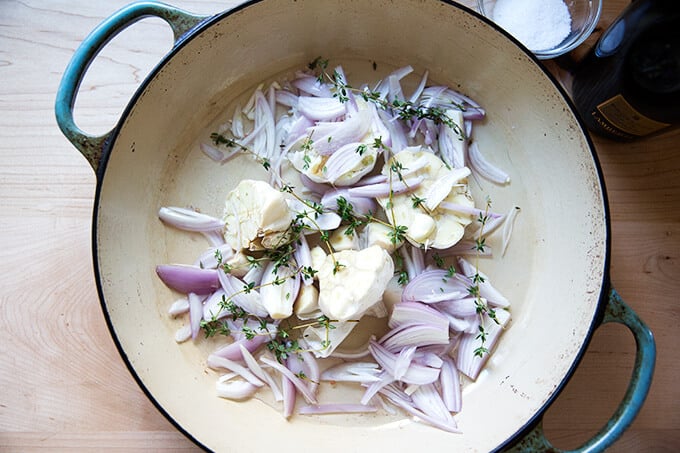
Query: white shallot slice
[(380, 132), (289, 396), (383, 189), (430, 132), (415, 374), (321, 109), (298, 129), (183, 334), (461, 308), (395, 129), (435, 285), (462, 209), (486, 289), (402, 400), (452, 147), (232, 351), (426, 101), (484, 168), (395, 91), (283, 127), (409, 266), (214, 256), (254, 275), (410, 313), (403, 361), (240, 293), (212, 308), (286, 98), (257, 370), (473, 113), (297, 382), (384, 85), (329, 137), (216, 362), (415, 335), (227, 386), (294, 363), (237, 123), (316, 188), (309, 84), (363, 372), (189, 220), (264, 144), (419, 90), (469, 363), (179, 307), (324, 341), (426, 356), (341, 79), (418, 259), (462, 324), (507, 228), (303, 258), (311, 368), (446, 96), (427, 399), (372, 389), (449, 383), (245, 141), (441, 188)]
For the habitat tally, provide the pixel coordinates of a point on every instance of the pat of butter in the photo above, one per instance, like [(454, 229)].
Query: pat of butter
[(351, 282)]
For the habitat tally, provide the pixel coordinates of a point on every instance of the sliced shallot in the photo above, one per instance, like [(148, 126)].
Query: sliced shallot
[(189, 220), (216, 362), (228, 386), (363, 372), (467, 361), (485, 168), (187, 279)]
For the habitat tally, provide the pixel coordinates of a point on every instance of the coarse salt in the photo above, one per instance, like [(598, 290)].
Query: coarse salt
[(538, 24)]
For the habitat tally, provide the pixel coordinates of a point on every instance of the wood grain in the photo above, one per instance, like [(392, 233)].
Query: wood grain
[(64, 386)]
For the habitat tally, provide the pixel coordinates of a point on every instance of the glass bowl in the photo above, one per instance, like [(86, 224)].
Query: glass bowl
[(584, 17)]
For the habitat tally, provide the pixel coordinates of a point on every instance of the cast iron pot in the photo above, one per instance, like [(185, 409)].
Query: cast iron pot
[(555, 271)]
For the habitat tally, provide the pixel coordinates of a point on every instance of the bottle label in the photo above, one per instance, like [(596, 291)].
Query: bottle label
[(623, 116)]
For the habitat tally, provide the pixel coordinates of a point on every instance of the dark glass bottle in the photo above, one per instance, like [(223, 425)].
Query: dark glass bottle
[(628, 86)]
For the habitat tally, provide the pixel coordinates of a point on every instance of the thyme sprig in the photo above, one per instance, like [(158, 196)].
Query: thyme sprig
[(481, 306), (219, 139), (297, 226), (282, 344), (404, 109)]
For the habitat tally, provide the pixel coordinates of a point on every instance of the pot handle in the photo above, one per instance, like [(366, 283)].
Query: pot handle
[(616, 311), (92, 146)]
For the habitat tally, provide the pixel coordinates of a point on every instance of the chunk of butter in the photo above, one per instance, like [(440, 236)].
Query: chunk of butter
[(351, 282)]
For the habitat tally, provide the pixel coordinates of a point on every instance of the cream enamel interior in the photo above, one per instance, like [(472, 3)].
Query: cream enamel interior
[(552, 272)]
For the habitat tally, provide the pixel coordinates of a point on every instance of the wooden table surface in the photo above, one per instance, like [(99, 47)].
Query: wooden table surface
[(63, 385)]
